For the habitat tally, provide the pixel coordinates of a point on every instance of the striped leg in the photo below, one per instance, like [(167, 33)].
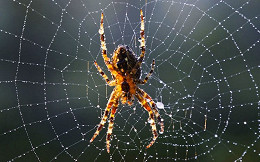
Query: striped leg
[(111, 101), (142, 39), (148, 75), (144, 103), (142, 46), (159, 119), (103, 46), (110, 83), (111, 124), (102, 39)]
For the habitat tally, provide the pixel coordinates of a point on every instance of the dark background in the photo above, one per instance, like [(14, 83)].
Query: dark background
[(207, 64)]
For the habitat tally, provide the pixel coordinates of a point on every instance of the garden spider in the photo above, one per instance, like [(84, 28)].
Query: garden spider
[(125, 69)]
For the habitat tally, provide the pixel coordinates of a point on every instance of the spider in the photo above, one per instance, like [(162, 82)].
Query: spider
[(125, 70)]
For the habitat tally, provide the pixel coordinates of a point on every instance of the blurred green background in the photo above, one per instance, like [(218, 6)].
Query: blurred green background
[(207, 65)]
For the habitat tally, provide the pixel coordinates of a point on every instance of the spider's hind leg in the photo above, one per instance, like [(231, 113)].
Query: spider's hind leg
[(111, 125), (158, 116), (111, 101), (144, 103)]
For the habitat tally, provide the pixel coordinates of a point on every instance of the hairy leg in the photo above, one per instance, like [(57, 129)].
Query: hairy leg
[(148, 75), (142, 39), (144, 103), (110, 83), (111, 124), (159, 119), (142, 46), (112, 100), (103, 46)]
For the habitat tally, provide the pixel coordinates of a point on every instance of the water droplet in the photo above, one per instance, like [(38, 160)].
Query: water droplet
[(160, 105)]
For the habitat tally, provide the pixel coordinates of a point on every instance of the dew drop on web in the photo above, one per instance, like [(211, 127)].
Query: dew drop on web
[(160, 105)]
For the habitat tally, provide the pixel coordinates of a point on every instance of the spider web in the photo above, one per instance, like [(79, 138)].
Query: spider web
[(206, 80)]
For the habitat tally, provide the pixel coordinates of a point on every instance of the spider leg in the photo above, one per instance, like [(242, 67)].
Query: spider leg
[(111, 124), (111, 101), (110, 83), (142, 46), (102, 39), (103, 46), (142, 39), (144, 103), (148, 75), (160, 120)]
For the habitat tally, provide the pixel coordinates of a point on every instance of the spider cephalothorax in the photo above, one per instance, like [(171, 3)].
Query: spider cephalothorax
[(125, 69)]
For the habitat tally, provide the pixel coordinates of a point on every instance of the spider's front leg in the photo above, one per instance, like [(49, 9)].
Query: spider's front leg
[(103, 46), (142, 46), (142, 39), (102, 39), (144, 103)]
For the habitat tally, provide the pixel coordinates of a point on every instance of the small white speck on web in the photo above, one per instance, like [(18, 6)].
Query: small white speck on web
[(160, 105)]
